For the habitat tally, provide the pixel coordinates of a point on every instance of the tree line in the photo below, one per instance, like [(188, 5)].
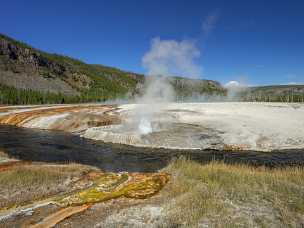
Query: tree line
[(12, 96), (286, 97)]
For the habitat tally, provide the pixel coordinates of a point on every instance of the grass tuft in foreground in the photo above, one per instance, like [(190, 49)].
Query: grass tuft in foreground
[(224, 195), (31, 182)]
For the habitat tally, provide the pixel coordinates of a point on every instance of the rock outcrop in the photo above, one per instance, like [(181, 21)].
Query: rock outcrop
[(25, 68)]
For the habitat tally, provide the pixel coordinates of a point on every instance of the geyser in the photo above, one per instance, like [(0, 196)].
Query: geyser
[(157, 93), (145, 126), (165, 58)]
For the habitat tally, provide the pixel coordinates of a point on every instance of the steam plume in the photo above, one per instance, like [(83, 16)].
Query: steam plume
[(234, 88), (164, 59), (171, 57)]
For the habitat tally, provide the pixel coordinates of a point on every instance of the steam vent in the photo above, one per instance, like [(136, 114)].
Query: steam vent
[(245, 126)]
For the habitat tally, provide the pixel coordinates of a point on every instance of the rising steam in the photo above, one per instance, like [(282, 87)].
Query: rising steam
[(234, 88), (164, 59), (171, 57)]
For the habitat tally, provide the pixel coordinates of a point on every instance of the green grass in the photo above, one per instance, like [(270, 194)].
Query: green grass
[(25, 183), (224, 195), (28, 176)]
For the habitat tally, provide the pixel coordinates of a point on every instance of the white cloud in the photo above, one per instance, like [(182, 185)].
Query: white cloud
[(234, 87), (291, 76), (210, 22), (295, 83), (294, 79), (232, 84), (171, 57)]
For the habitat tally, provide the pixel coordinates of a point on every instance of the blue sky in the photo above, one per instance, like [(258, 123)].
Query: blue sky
[(257, 42)]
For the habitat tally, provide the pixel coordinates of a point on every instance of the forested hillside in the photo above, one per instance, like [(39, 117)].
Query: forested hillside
[(31, 76), (275, 93)]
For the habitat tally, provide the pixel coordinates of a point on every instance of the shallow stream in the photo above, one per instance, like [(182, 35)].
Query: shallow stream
[(59, 147)]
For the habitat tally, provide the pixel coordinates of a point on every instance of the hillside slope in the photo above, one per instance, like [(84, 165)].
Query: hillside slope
[(273, 93), (28, 75)]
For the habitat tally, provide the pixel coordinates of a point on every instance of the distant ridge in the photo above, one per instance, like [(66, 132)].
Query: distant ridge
[(273, 93), (31, 76)]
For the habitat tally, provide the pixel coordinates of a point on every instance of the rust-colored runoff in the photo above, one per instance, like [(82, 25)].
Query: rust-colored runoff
[(53, 219)]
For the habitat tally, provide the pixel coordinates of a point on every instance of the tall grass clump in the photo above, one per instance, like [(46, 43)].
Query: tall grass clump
[(225, 195)]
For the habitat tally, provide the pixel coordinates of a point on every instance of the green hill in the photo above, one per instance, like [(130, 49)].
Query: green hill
[(274, 93), (31, 76)]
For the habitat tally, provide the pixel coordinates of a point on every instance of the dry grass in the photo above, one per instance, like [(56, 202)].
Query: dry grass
[(3, 154), (224, 195), (211, 195), (21, 184)]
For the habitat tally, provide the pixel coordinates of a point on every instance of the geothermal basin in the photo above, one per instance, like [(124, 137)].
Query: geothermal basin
[(218, 126), (244, 126), (134, 138)]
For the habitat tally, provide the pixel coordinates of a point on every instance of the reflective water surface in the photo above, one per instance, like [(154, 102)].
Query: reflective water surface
[(60, 147)]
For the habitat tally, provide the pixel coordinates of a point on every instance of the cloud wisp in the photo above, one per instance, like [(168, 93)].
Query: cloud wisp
[(210, 22), (172, 57)]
